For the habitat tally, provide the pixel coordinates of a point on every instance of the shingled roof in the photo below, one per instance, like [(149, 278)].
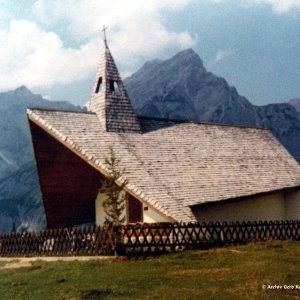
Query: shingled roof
[(172, 166)]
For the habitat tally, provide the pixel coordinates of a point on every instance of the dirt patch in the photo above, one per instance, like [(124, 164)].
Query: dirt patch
[(237, 251), (16, 265), (13, 263)]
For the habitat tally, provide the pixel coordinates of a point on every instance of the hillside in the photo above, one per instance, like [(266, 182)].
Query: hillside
[(231, 273), (20, 200)]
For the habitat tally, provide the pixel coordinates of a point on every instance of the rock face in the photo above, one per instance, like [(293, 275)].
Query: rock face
[(284, 122), (296, 103), (20, 200), (181, 88)]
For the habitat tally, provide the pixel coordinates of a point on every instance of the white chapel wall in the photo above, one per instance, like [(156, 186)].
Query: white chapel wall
[(292, 205), (100, 214), (271, 207), (149, 215)]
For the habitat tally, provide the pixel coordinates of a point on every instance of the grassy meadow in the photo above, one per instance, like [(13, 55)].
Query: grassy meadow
[(225, 273)]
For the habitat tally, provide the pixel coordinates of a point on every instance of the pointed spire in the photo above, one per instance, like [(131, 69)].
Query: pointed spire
[(109, 98)]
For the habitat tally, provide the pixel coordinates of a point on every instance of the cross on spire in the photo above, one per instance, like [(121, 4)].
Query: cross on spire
[(104, 33)]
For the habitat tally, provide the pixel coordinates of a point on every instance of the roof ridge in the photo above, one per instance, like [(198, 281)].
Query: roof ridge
[(199, 122), (60, 110)]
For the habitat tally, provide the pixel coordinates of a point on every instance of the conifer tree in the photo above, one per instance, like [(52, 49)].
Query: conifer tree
[(114, 204)]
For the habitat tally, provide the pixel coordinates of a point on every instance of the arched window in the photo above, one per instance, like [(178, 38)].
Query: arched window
[(99, 85), (113, 86)]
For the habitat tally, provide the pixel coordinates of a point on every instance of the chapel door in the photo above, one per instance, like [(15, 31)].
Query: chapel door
[(135, 210)]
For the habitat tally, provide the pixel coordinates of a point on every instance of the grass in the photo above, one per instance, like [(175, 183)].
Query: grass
[(225, 273), (2, 263)]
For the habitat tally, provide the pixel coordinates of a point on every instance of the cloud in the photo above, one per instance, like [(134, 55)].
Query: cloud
[(278, 6), (222, 54), (35, 52), (37, 58), (86, 17), (136, 29)]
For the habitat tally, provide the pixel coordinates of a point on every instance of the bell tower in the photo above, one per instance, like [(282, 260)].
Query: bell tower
[(109, 99)]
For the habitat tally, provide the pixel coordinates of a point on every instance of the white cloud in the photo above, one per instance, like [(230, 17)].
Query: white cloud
[(86, 17), (222, 54), (38, 57), (135, 28), (278, 6)]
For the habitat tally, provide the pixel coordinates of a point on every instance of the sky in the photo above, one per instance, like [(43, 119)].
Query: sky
[(53, 46)]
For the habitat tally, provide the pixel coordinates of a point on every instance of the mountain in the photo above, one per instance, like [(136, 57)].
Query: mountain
[(21, 206), (20, 200), (284, 122), (296, 103), (181, 88), (15, 145)]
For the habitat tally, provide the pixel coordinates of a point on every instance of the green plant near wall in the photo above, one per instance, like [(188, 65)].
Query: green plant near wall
[(114, 204)]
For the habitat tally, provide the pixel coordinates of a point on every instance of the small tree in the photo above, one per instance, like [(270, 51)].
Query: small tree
[(114, 203)]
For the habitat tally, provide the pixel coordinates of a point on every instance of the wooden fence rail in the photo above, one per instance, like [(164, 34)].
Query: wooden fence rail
[(58, 242), (143, 239)]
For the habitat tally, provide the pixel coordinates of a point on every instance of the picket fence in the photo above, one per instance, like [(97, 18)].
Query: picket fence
[(137, 240)]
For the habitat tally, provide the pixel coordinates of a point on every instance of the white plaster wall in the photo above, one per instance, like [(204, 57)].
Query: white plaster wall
[(100, 214), (271, 207), (151, 216), (292, 205)]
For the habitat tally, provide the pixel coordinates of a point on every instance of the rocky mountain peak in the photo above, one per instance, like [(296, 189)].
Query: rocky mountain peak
[(21, 96), (181, 88), (22, 89), (187, 57)]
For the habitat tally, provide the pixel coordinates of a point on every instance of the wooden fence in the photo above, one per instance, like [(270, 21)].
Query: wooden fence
[(59, 242), (143, 239)]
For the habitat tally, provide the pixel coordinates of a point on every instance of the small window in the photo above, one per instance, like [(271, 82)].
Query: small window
[(99, 85), (113, 86)]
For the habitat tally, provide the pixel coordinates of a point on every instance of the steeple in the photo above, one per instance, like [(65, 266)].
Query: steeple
[(109, 98)]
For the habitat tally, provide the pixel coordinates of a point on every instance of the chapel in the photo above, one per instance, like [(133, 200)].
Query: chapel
[(176, 170)]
